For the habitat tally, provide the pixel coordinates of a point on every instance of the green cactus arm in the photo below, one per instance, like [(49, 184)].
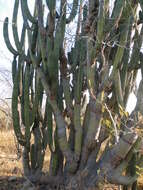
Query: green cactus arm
[(131, 78), (118, 7), (38, 145), (42, 33), (66, 83), (78, 130), (48, 127), (79, 20), (32, 94), (34, 111), (67, 96), (31, 82), (78, 87), (15, 112), (6, 37), (73, 12), (120, 51), (25, 18), (116, 14), (40, 16), (26, 104), (31, 40), (136, 49), (14, 26), (54, 53), (37, 99), (60, 29), (77, 97), (21, 87), (86, 121), (90, 71), (40, 93), (51, 5), (25, 161), (14, 68), (26, 11), (22, 39), (133, 63), (100, 23), (118, 88), (58, 116), (33, 157), (33, 37), (126, 57), (77, 112)]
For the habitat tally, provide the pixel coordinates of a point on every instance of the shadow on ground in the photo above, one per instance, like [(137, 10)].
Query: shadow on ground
[(11, 182)]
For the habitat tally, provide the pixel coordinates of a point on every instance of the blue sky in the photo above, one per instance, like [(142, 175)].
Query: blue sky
[(6, 10), (5, 56), (6, 7)]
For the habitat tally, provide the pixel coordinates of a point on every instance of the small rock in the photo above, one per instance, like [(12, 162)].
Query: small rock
[(27, 186), (31, 188), (12, 178)]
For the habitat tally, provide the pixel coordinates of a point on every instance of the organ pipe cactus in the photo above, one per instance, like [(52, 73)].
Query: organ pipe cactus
[(87, 88)]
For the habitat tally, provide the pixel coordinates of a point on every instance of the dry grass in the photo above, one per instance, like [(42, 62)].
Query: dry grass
[(11, 166), (8, 155)]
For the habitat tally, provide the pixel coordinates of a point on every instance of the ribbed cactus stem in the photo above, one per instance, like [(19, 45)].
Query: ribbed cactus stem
[(118, 88), (26, 11), (73, 11), (48, 127), (14, 68), (77, 113), (101, 22), (15, 113), (33, 157), (22, 40), (51, 5), (39, 153), (14, 26), (26, 104), (116, 14), (58, 117), (42, 33), (6, 37)]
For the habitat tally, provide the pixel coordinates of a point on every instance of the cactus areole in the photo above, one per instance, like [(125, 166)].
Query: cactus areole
[(73, 100)]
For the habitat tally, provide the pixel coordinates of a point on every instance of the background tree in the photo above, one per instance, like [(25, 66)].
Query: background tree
[(87, 90)]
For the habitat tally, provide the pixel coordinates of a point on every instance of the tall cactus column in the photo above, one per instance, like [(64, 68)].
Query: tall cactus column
[(28, 97), (74, 102)]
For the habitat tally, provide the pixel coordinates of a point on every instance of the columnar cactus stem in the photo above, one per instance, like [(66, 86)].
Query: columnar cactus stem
[(73, 11), (6, 37), (83, 90), (14, 26), (26, 12)]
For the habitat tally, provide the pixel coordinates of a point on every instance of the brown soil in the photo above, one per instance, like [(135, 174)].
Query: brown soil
[(11, 174)]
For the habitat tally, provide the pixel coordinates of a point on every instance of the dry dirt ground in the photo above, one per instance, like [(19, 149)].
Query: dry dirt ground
[(11, 174)]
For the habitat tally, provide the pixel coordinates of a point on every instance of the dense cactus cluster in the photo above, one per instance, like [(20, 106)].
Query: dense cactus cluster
[(74, 124)]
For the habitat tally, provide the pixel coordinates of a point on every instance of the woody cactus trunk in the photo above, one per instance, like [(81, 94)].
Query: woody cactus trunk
[(73, 100)]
